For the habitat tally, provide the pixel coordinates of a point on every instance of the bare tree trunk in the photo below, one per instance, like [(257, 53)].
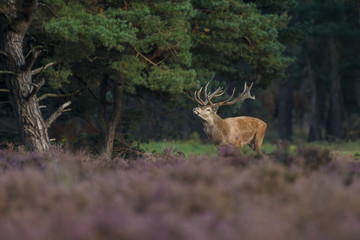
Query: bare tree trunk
[(315, 127), (31, 125), (357, 89), (336, 116), (108, 125)]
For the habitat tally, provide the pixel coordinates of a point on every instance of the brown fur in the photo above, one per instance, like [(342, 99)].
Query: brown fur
[(235, 131)]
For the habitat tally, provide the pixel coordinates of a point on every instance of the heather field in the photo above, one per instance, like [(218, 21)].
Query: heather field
[(308, 194)]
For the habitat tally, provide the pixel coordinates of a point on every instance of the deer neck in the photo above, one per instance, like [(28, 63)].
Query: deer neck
[(215, 129)]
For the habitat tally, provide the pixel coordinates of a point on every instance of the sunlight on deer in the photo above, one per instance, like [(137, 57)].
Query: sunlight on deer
[(234, 131)]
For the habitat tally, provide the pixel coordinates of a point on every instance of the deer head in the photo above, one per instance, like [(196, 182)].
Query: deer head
[(207, 109)]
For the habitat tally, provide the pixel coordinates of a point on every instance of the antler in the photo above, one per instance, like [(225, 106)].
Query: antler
[(244, 95), (219, 92)]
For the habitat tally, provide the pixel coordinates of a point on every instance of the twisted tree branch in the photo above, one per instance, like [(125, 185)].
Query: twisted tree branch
[(57, 113), (41, 69)]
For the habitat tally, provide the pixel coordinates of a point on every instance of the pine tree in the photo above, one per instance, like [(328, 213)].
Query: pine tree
[(161, 45)]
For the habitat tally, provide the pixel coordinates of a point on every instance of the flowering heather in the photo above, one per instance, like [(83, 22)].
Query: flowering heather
[(57, 195)]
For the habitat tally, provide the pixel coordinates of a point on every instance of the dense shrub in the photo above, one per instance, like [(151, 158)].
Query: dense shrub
[(56, 195)]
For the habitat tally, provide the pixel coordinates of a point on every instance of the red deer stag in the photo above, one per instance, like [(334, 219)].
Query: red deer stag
[(235, 131)]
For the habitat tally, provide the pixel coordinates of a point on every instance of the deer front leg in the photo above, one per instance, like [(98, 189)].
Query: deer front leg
[(239, 145)]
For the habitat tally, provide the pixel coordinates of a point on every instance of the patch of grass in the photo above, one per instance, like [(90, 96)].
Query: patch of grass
[(344, 148), (187, 147), (195, 147)]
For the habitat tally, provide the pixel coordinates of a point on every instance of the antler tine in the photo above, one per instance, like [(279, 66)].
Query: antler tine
[(244, 95), (218, 92), (207, 96), (198, 98), (205, 91), (227, 100)]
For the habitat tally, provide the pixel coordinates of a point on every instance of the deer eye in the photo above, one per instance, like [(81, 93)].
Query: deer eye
[(208, 109)]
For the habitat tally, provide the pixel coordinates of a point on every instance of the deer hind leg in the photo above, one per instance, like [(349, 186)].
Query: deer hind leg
[(252, 144), (258, 140), (239, 145)]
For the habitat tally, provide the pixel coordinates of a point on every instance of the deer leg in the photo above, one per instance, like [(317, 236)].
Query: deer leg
[(252, 144), (258, 141), (239, 145)]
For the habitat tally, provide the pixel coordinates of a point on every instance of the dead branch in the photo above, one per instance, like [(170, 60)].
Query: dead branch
[(87, 88), (4, 53), (7, 72), (57, 113), (55, 95), (148, 60), (92, 59), (30, 63), (4, 102), (34, 49), (4, 90), (41, 69)]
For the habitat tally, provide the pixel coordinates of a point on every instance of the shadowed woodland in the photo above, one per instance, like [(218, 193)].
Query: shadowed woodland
[(98, 136)]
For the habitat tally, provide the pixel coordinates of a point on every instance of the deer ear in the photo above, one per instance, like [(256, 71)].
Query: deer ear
[(216, 107)]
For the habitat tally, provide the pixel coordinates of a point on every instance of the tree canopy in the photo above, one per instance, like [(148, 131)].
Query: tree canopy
[(164, 45)]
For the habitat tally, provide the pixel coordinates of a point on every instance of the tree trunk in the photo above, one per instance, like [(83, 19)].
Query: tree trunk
[(285, 109), (108, 125), (14, 24), (336, 116), (315, 127), (357, 89)]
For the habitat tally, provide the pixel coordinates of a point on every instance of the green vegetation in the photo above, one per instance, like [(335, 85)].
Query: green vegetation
[(342, 148), (187, 147), (194, 147)]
